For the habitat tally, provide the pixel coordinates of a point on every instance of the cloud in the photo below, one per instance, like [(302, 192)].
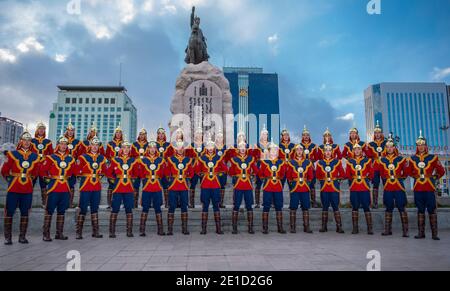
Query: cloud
[(347, 117), (273, 42), (60, 58), (439, 74), (30, 44), (7, 56), (323, 87)]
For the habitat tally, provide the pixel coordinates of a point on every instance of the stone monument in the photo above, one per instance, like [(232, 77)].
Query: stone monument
[(202, 98)]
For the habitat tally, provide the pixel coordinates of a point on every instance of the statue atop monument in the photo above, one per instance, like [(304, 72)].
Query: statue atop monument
[(196, 51)]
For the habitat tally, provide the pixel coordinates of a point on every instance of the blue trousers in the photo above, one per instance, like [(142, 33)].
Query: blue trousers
[(72, 181), (150, 199), (425, 201), (91, 199), (376, 179), (174, 197), (126, 198), (329, 198), (58, 201), (312, 184), (360, 200), (194, 181), (137, 184), (210, 195), (18, 200), (393, 199), (164, 183), (275, 197), (258, 183), (301, 198), (223, 181), (247, 196), (41, 182)]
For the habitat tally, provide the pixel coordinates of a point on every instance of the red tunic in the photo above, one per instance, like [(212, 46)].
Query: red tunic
[(425, 170), (359, 172), (179, 169), (347, 153), (90, 169), (299, 174), (393, 171), (112, 149), (58, 169), (138, 149), (21, 167), (329, 173), (242, 168), (272, 172), (83, 149), (310, 150), (123, 170), (42, 147), (210, 167), (335, 152), (152, 171)]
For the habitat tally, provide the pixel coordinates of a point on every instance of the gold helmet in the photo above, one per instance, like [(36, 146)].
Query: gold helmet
[(354, 129), (378, 127), (118, 128), (305, 130), (26, 135), (40, 124), (93, 127), (298, 146), (143, 131), (421, 140), (327, 132), (70, 125), (94, 141)]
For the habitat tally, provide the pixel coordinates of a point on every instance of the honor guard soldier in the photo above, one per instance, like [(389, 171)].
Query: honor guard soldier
[(195, 152), (353, 140), (330, 173), (74, 146), (311, 152), (210, 167), (273, 172), (223, 153), (113, 148), (359, 172), (19, 170), (152, 172), (299, 174), (179, 172), (138, 150), (286, 147), (42, 147), (328, 140), (426, 170), (164, 151), (91, 168), (242, 168), (121, 172), (56, 171), (260, 152), (86, 143), (393, 172), (179, 137), (375, 150)]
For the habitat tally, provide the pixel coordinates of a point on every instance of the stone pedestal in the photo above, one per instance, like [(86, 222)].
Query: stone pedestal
[(202, 99)]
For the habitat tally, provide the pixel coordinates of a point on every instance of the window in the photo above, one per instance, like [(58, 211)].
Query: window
[(113, 109), (113, 100), (80, 100), (86, 109), (92, 109), (99, 109), (74, 100), (106, 109), (73, 109), (93, 100), (87, 100), (99, 100), (60, 109), (106, 100), (67, 100), (119, 109)]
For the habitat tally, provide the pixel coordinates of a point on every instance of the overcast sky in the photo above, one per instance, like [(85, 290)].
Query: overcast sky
[(326, 52)]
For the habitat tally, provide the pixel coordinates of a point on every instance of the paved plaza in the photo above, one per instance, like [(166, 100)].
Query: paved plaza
[(242, 252)]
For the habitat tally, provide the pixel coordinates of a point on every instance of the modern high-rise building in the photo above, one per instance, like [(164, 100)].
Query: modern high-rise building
[(255, 101), (106, 107), (10, 130), (407, 108)]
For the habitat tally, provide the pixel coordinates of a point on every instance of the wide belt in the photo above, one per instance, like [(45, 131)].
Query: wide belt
[(23, 176), (59, 178)]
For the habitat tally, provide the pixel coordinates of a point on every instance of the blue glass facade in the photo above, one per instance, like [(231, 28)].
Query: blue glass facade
[(406, 108), (256, 98)]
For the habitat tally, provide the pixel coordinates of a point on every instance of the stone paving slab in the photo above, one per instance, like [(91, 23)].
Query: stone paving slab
[(243, 252)]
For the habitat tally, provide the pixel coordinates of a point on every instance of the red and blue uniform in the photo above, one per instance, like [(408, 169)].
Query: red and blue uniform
[(299, 175), (347, 153), (375, 150), (121, 172), (90, 169), (330, 173), (359, 173), (335, 152), (74, 148), (19, 170), (210, 167), (43, 147), (259, 153), (138, 150), (242, 168), (84, 145), (195, 152), (426, 170), (57, 169), (152, 172), (310, 151), (272, 173), (224, 155), (393, 172), (179, 172)]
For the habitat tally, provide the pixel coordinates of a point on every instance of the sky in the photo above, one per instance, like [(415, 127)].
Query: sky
[(326, 52)]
